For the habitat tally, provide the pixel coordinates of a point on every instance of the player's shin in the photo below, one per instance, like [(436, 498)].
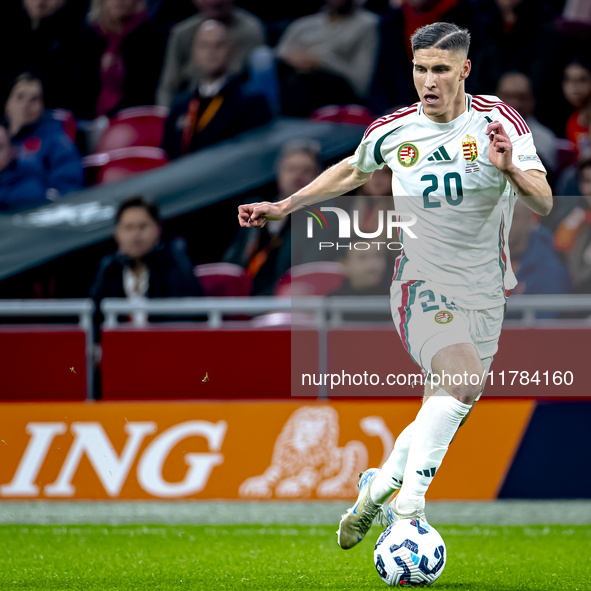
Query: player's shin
[(390, 477), (434, 429)]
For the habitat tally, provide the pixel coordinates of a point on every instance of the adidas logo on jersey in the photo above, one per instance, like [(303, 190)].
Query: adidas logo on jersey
[(439, 155)]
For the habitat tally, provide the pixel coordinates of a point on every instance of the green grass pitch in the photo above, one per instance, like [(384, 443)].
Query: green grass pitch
[(480, 558)]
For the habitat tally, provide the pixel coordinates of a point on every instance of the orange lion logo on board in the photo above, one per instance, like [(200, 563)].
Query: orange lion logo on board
[(307, 459)]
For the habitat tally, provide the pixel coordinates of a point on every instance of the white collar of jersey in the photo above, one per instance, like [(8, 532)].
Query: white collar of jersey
[(458, 121)]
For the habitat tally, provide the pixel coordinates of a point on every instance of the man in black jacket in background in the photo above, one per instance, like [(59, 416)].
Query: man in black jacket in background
[(142, 265)]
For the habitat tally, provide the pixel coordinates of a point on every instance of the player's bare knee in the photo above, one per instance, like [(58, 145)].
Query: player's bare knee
[(466, 393), (468, 399)]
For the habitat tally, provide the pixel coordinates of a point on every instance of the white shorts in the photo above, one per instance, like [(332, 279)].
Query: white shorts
[(428, 321)]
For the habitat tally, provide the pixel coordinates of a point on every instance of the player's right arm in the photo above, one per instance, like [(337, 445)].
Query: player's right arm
[(337, 180)]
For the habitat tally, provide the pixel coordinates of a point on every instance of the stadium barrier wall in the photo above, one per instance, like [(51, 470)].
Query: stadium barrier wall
[(174, 363), (42, 363), (164, 363)]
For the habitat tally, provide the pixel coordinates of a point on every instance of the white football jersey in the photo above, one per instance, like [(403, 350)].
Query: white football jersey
[(463, 203)]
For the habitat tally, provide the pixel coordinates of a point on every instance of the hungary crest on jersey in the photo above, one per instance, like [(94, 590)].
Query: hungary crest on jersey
[(469, 148), (408, 154), (443, 317)]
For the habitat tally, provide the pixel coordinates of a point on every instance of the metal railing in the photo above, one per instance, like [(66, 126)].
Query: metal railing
[(83, 309), (213, 308), (325, 309), (528, 305), (329, 311)]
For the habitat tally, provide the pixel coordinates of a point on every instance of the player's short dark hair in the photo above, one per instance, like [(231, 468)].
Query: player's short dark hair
[(446, 36), (137, 201)]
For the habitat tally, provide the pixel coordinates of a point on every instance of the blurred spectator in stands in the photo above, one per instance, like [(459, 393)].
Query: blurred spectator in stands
[(41, 140), (576, 91), (515, 36), (393, 84), (327, 58), (217, 108), (266, 252), (537, 266), (277, 16), (120, 58), (367, 274), (143, 266), (40, 36), (20, 187), (576, 86), (373, 197), (573, 236), (576, 12), (245, 32), (567, 195), (514, 88)]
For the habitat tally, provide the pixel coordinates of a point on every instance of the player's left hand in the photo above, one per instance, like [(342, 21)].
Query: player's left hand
[(500, 148)]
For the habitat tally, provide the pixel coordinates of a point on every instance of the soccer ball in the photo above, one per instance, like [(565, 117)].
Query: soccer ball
[(410, 553)]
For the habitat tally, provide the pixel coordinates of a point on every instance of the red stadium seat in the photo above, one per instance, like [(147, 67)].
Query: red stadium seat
[(223, 279), (117, 164), (311, 279), (137, 126), (68, 120), (354, 114)]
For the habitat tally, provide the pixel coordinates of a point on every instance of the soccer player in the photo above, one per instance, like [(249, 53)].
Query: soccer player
[(459, 163)]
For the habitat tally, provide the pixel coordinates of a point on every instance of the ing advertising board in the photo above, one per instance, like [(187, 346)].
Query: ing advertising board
[(236, 451)]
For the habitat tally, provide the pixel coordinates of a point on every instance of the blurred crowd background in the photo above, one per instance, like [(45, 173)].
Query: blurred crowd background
[(76, 76)]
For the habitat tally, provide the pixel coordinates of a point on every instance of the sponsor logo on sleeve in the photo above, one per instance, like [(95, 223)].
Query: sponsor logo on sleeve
[(529, 158)]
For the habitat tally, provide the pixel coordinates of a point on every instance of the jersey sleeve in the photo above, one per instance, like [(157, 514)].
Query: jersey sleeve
[(525, 156), (364, 158)]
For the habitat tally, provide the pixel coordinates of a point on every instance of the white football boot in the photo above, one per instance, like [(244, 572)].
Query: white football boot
[(356, 522), (390, 515)]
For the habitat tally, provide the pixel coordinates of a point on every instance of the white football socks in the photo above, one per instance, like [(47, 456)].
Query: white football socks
[(434, 428), (390, 477)]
